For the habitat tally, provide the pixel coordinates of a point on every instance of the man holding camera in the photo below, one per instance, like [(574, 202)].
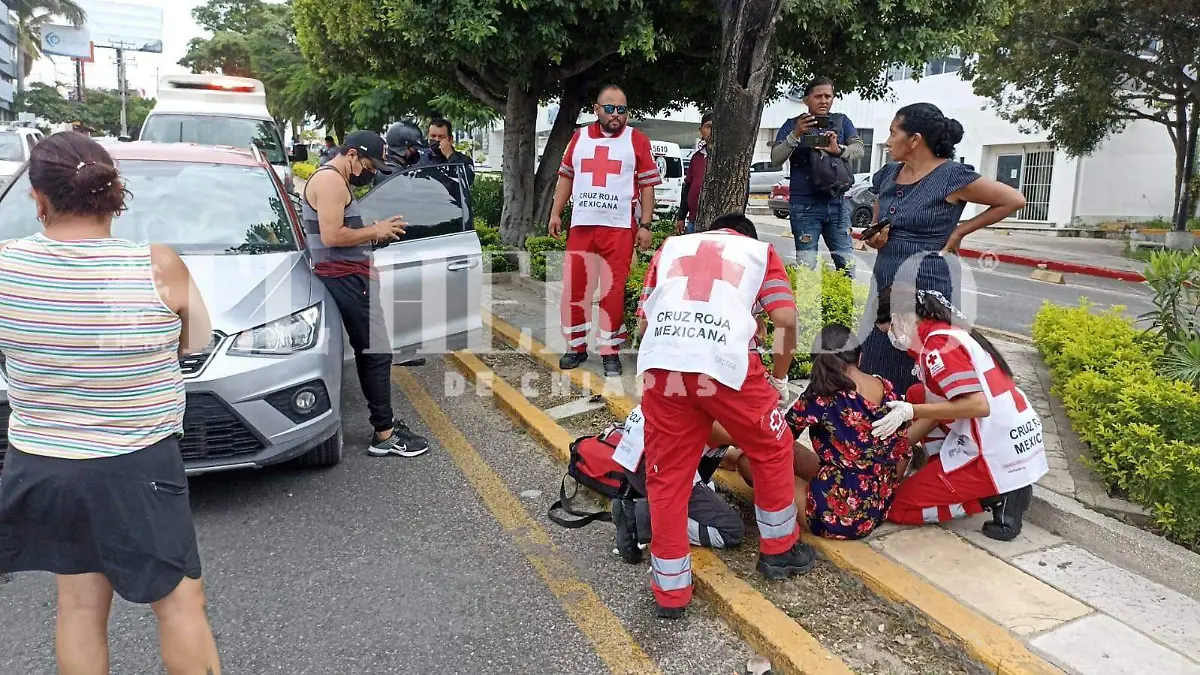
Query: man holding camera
[(820, 146)]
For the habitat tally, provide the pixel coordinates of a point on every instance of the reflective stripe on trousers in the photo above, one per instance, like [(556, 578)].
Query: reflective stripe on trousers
[(672, 574), (776, 524)]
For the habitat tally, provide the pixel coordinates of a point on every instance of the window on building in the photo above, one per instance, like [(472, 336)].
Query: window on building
[(951, 63), (897, 73), (863, 164), (1030, 172)]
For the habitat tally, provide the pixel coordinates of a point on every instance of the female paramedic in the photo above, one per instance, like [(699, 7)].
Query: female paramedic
[(993, 452)]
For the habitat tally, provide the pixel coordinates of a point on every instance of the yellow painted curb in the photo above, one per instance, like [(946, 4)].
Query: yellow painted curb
[(618, 404), (764, 626), (983, 639)]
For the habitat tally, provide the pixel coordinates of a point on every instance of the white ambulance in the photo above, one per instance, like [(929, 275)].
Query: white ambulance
[(218, 110), (667, 196)]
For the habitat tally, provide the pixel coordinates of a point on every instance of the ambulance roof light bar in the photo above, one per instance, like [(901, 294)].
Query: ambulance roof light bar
[(229, 84)]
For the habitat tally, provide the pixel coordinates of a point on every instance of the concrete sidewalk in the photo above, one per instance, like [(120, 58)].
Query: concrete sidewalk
[(1086, 613)]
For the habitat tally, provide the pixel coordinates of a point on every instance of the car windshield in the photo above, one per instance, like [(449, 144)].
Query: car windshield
[(10, 147), (192, 207), (236, 132)]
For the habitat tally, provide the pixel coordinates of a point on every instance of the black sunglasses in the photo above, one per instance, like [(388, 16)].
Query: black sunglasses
[(609, 109)]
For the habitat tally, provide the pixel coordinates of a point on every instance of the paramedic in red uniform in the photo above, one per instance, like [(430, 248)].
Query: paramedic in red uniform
[(609, 174), (993, 451), (697, 324)]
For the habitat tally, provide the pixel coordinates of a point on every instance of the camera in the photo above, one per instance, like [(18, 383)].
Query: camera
[(814, 139)]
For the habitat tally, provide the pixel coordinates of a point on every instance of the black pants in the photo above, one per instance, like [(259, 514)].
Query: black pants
[(712, 522), (357, 299)]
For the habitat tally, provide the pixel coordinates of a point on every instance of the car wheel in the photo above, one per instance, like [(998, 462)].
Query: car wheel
[(782, 215), (862, 217), (327, 454)]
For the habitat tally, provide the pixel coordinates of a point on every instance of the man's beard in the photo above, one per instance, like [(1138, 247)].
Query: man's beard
[(614, 125)]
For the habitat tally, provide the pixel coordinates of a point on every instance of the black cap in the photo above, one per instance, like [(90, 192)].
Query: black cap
[(368, 144)]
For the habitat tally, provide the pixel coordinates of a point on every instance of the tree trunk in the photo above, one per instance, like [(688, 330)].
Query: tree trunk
[(520, 148), (570, 103), (1183, 211), (747, 28), (339, 131)]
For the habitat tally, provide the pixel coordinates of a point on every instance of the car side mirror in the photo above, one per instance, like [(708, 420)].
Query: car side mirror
[(299, 153), (125, 139)]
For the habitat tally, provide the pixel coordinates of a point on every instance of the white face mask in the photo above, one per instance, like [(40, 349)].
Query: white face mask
[(900, 341)]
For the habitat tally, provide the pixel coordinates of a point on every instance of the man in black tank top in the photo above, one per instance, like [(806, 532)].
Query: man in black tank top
[(340, 245)]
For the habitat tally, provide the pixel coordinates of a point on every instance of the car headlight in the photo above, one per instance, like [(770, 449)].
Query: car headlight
[(288, 335)]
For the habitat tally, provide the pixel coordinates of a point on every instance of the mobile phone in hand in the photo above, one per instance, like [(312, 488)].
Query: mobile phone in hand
[(876, 228)]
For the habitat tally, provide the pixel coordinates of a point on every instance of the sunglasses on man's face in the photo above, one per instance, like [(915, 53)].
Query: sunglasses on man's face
[(610, 109)]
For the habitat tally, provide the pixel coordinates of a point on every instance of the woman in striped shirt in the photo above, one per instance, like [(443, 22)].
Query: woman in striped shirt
[(94, 489)]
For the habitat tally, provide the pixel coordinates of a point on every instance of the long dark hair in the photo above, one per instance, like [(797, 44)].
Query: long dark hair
[(934, 306), (833, 350)]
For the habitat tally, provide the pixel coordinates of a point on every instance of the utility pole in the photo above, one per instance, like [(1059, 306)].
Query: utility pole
[(124, 87)]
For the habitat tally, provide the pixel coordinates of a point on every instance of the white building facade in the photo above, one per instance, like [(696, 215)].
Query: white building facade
[(1130, 177)]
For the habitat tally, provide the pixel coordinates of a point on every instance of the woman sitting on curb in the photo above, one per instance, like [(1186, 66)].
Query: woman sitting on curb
[(852, 475)]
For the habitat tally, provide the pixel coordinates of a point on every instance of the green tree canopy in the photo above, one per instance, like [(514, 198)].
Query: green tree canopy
[(101, 109), (1083, 69)]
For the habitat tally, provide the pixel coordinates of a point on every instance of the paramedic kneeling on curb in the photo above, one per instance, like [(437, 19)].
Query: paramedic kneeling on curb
[(993, 452), (712, 522), (697, 324)]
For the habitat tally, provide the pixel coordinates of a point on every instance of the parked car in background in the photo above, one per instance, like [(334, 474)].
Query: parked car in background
[(16, 143), (763, 176), (219, 110), (267, 388), (667, 195), (860, 199)]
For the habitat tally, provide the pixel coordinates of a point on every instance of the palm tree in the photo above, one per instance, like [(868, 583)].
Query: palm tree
[(32, 15)]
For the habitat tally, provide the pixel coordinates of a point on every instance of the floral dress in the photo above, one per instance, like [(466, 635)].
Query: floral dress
[(853, 489)]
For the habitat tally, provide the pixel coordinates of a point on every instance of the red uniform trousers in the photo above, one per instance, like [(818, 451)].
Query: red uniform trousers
[(933, 496), (680, 409), (596, 256)]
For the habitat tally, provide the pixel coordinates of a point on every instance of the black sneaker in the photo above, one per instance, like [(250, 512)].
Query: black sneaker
[(797, 560), (624, 518), (403, 442), (572, 360), (1007, 511), (413, 363), (612, 366), (669, 612)]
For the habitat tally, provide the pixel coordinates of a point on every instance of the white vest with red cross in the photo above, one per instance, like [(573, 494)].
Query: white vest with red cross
[(1010, 438), (605, 184), (700, 316)]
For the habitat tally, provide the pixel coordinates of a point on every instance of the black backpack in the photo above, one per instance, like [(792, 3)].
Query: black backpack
[(829, 175)]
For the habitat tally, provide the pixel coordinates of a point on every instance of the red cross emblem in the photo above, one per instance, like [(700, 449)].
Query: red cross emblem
[(1000, 383), (600, 166), (704, 269)]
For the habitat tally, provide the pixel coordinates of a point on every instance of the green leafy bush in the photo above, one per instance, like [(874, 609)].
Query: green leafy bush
[(497, 257), (1143, 428), (538, 248), (303, 170), (1175, 279), (487, 199)]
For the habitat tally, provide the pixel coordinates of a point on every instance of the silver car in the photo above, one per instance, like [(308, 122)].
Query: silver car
[(267, 388)]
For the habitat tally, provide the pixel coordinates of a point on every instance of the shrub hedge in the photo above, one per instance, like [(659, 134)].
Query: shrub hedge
[(303, 170), (1143, 428)]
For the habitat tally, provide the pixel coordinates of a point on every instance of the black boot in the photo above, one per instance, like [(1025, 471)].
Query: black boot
[(669, 612), (796, 560), (627, 537), (1007, 511), (572, 360), (612, 365)]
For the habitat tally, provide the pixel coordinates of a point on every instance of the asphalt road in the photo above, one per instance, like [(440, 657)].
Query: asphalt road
[(1006, 298), (398, 566)]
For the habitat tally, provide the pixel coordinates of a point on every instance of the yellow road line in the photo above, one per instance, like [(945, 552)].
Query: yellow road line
[(768, 629), (613, 644), (982, 638)]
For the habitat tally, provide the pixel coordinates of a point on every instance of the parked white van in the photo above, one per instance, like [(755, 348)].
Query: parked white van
[(670, 166), (218, 110)]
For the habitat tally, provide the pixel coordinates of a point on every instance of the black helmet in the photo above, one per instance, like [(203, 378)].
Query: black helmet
[(404, 135)]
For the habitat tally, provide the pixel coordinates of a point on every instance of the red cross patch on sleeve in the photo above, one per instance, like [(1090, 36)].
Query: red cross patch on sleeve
[(934, 363)]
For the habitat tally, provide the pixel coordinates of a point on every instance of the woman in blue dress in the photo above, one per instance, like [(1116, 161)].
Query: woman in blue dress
[(923, 193)]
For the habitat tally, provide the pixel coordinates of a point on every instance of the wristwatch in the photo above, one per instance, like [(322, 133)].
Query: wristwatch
[(644, 226)]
